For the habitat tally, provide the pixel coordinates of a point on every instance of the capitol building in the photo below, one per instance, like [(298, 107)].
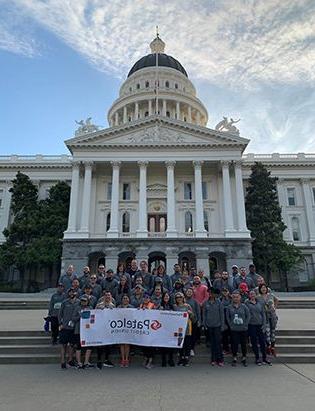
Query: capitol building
[(159, 185)]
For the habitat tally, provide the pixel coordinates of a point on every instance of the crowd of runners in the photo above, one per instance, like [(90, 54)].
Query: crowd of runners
[(227, 313)]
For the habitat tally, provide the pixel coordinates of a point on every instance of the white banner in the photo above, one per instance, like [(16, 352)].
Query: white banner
[(153, 328)]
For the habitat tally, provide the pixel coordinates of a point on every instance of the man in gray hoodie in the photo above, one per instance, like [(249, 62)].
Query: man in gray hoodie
[(238, 316), (66, 327), (53, 311)]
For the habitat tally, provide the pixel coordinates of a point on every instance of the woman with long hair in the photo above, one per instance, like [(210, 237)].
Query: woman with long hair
[(121, 290), (180, 305), (167, 353), (270, 302), (147, 351)]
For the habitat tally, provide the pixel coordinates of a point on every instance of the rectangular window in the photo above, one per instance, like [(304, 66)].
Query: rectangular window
[(126, 191), (204, 190), (187, 191), (313, 189), (291, 196), (1, 197), (109, 191)]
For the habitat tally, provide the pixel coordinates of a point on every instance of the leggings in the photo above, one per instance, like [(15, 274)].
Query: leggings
[(271, 331)]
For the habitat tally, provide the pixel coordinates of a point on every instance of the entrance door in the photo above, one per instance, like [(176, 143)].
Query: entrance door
[(157, 223)]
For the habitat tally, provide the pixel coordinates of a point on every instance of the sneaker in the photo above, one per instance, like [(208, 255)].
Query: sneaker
[(234, 363), (126, 364), (108, 364), (89, 365), (192, 353), (63, 365), (185, 362), (79, 366), (258, 362), (122, 363), (220, 364), (212, 363), (244, 362), (267, 362), (72, 364), (180, 361)]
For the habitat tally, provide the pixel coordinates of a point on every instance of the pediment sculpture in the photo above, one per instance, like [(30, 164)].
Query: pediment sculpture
[(156, 135), (85, 127), (227, 126)]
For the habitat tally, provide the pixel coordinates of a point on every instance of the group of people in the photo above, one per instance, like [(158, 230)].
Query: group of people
[(231, 310)]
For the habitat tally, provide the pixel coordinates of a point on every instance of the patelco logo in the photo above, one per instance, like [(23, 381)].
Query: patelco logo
[(155, 325)]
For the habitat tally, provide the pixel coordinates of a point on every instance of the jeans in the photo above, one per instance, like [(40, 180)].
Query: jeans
[(54, 328), (239, 337), (256, 335), (214, 336)]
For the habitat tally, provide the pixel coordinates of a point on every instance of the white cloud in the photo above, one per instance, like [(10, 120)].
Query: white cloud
[(240, 43)]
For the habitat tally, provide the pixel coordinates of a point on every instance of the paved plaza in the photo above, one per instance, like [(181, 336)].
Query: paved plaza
[(199, 387)]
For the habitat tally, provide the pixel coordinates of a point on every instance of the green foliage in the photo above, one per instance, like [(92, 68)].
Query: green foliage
[(34, 237), (264, 220)]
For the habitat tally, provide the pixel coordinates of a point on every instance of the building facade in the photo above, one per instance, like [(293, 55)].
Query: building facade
[(157, 184)]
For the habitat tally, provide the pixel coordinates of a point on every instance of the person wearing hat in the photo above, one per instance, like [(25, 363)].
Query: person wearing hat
[(234, 274), (213, 321), (83, 306), (238, 316), (87, 290), (109, 283), (243, 289), (137, 296), (166, 280), (177, 288), (177, 274), (66, 327), (180, 305), (54, 307)]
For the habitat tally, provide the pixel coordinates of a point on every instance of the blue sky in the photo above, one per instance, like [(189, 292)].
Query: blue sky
[(62, 61)]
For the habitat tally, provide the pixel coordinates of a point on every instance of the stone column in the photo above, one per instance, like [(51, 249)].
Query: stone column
[(116, 118), (150, 107), (164, 108), (282, 202), (240, 201), (136, 111), (200, 225), (74, 198), (227, 200), (142, 227), (86, 201), (114, 211), (309, 210), (189, 114), (171, 223), (177, 110), (125, 114)]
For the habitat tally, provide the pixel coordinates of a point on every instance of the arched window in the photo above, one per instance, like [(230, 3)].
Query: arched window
[(168, 114), (296, 231), (188, 222), (138, 86), (147, 84), (146, 114), (130, 89), (176, 85), (107, 221), (206, 220), (167, 84), (126, 222)]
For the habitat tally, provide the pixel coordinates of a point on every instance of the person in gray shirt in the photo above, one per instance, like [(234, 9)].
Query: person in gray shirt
[(53, 312), (109, 283), (196, 323), (237, 315), (242, 277), (257, 327), (96, 288), (252, 274), (67, 278)]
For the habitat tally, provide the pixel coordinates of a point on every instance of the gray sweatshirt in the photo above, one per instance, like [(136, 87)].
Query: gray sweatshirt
[(55, 304), (257, 313), (196, 309), (213, 314), (66, 313), (238, 317)]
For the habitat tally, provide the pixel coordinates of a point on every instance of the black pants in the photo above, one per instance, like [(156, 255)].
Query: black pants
[(185, 351), (195, 335), (54, 328), (167, 354), (148, 352), (256, 335), (214, 336), (226, 338), (239, 337), (103, 350)]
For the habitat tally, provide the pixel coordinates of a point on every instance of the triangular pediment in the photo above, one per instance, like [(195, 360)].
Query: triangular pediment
[(156, 132)]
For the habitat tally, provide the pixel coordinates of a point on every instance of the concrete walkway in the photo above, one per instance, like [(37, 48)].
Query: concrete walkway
[(199, 387)]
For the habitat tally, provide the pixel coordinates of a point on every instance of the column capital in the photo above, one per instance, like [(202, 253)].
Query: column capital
[(170, 163), (238, 163), (198, 164), (75, 164), (116, 164), (225, 163), (305, 181), (280, 180), (142, 163), (88, 164)]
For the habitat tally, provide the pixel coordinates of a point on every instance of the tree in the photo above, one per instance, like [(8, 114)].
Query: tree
[(264, 220), (34, 239)]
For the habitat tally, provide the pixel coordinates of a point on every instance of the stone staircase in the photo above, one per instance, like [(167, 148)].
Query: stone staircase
[(33, 347)]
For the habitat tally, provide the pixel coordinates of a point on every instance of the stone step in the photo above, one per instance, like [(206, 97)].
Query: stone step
[(25, 333), (293, 339), (295, 332), (29, 349), (295, 348), (16, 340), (23, 305)]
